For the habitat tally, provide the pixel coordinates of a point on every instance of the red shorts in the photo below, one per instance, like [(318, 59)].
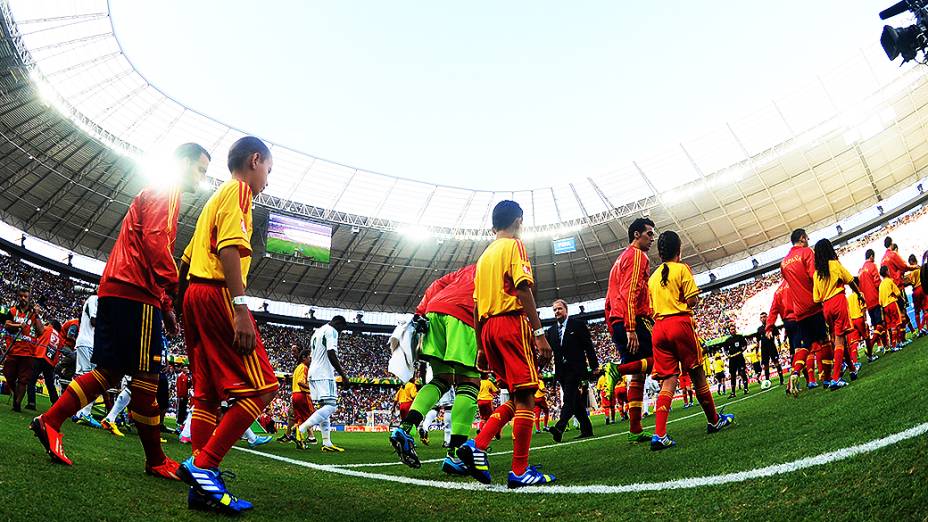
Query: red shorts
[(685, 381), (891, 316), (859, 330), (918, 298), (507, 342), (675, 344), (219, 371), (302, 407), (605, 400), (541, 403), (404, 409), (836, 314), (485, 408), (621, 395)]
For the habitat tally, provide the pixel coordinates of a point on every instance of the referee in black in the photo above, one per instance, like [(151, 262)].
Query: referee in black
[(734, 347), (573, 349), (769, 347)]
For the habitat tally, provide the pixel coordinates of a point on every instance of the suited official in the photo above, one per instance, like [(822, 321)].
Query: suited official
[(574, 361)]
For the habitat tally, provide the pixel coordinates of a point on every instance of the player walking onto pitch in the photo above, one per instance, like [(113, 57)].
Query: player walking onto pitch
[(322, 384), (135, 298), (507, 328), (300, 401), (673, 295), (227, 355), (830, 279)]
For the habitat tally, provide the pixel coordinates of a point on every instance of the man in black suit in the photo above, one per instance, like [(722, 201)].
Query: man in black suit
[(573, 347)]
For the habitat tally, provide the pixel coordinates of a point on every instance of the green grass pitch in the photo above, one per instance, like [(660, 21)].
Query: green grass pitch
[(107, 480), (287, 248)]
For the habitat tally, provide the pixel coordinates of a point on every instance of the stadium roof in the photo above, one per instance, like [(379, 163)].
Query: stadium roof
[(75, 115)]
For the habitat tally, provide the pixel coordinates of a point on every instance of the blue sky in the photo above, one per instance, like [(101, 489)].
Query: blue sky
[(499, 95)]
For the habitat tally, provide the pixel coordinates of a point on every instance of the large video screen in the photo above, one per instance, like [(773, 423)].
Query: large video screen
[(287, 236)]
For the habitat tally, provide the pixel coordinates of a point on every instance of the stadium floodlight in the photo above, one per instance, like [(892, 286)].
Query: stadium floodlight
[(414, 232), (906, 41)]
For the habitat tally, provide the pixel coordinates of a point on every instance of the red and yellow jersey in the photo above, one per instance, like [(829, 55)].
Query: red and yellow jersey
[(896, 266), (914, 278), (602, 384), (487, 390), (824, 289), (869, 277), (300, 384), (141, 264), (670, 298), (224, 222), (798, 269), (451, 294), (69, 332), (855, 306), (889, 292), (540, 392), (627, 295), (779, 307), (406, 393), (182, 385), (502, 267)]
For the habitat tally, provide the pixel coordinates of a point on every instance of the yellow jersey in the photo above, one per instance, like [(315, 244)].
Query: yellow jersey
[(838, 276), (502, 267), (406, 393), (300, 383), (913, 278), (889, 292), (707, 365), (855, 306), (487, 390), (540, 392), (670, 299), (224, 221), (718, 365)]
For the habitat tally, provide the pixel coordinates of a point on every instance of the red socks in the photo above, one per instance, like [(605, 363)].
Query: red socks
[(234, 423), (704, 396), (501, 416), (147, 417), (521, 440), (537, 418), (635, 396), (202, 425), (78, 394), (636, 367), (838, 363), (799, 359), (664, 398)]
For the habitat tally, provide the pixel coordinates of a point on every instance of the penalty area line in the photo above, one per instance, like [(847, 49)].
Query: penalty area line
[(556, 444), (685, 483)]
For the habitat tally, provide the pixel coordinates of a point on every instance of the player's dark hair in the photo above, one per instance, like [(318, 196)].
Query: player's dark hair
[(912, 259), (884, 271), (303, 354), (797, 235), (339, 319), (888, 242), (243, 148), (923, 273), (23, 289), (869, 254), (894, 247), (668, 247), (56, 324), (639, 225), (824, 252), (505, 213), (191, 151)]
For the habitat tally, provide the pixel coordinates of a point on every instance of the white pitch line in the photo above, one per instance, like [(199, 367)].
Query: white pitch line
[(686, 483), (548, 446)]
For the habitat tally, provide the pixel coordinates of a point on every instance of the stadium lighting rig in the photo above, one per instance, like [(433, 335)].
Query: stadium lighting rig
[(906, 41)]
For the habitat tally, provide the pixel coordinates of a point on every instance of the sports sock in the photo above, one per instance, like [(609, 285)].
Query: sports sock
[(429, 419), (704, 396), (82, 391), (537, 418), (664, 398), (838, 363), (500, 417), (548, 411), (249, 435), (235, 421), (202, 424), (326, 428), (635, 367), (147, 417), (87, 410), (521, 440), (317, 418), (462, 411), (185, 432), (122, 400), (799, 360), (826, 359), (447, 422), (425, 400), (635, 396)]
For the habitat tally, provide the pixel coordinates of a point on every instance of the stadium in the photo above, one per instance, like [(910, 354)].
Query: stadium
[(342, 251)]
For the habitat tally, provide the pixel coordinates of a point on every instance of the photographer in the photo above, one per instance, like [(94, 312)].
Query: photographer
[(25, 326)]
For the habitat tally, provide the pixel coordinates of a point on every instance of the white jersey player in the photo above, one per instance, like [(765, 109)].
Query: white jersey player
[(83, 348), (322, 386)]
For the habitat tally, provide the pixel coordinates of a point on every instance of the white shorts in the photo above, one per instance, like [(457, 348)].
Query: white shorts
[(446, 400), (83, 354), (323, 389)]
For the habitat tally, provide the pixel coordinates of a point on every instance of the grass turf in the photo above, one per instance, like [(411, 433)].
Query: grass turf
[(107, 481)]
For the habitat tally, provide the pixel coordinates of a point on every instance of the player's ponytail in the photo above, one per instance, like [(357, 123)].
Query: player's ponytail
[(668, 248), (824, 252)]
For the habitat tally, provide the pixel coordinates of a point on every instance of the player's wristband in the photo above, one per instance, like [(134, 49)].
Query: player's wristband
[(240, 300), (539, 332)]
